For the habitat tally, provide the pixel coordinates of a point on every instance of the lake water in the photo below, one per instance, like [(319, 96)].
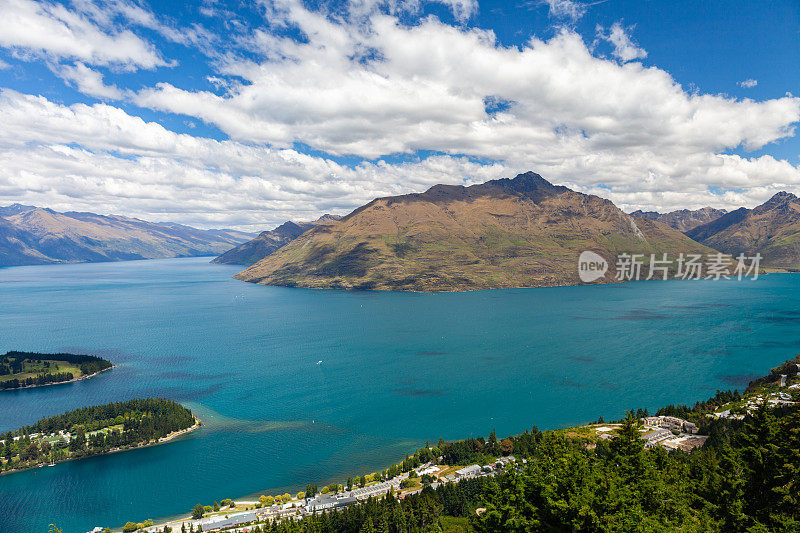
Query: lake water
[(396, 369)]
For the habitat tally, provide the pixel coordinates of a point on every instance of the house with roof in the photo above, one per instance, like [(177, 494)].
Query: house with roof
[(471, 470)]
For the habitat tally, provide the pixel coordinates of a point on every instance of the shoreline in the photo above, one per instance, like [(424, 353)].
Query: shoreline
[(600, 283), (73, 380), (163, 440)]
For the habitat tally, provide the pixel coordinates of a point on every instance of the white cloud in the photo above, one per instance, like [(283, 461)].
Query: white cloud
[(88, 81), (462, 9), (99, 158), (624, 48), (370, 86), (54, 31), (4, 65), (569, 9), (748, 83), (380, 88), (107, 13)]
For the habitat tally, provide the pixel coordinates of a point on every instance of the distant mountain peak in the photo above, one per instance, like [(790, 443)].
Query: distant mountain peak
[(530, 179), (268, 241), (512, 232), (683, 220), (781, 197), (288, 225), (526, 183), (15, 209), (770, 229), (327, 218), (37, 235)]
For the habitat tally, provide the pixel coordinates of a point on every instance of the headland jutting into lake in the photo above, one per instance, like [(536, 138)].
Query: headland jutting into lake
[(22, 370), (92, 431)]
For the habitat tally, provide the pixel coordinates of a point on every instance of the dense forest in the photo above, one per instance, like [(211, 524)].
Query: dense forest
[(745, 479), (45, 368), (92, 431)]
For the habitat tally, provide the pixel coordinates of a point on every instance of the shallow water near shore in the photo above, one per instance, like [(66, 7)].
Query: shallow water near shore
[(298, 386)]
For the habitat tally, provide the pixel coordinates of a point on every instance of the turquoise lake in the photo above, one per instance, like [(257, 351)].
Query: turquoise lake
[(396, 369)]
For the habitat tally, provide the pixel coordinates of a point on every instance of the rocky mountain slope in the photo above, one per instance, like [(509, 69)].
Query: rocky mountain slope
[(771, 229), (32, 235), (521, 232), (268, 241), (684, 219)]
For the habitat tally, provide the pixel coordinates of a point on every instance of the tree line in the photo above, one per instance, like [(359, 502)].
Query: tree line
[(123, 424), (13, 362), (745, 479)]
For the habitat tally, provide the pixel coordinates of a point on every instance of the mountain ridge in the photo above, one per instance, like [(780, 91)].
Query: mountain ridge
[(31, 235), (771, 229), (683, 219), (267, 242), (512, 232)]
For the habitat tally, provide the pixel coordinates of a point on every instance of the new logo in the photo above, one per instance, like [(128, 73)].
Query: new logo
[(591, 266)]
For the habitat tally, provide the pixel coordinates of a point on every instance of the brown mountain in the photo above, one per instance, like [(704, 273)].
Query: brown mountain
[(268, 241), (771, 229), (684, 219), (32, 236), (521, 232)]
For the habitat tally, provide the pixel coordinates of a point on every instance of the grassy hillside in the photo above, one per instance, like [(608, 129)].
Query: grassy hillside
[(771, 229), (521, 232), (32, 236)]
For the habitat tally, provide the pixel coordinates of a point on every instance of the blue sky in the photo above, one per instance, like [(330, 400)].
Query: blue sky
[(247, 114)]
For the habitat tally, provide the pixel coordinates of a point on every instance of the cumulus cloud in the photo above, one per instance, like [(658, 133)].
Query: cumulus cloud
[(624, 47), (99, 158), (381, 87), (748, 83), (366, 85), (54, 31), (88, 81)]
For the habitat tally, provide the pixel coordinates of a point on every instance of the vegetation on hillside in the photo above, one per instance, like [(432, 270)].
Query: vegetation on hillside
[(521, 232), (745, 479), (771, 229)]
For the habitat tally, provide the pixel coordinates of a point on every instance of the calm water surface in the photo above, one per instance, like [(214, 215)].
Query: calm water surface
[(396, 369)]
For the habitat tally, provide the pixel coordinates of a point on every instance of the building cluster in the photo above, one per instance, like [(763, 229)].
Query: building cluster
[(667, 431), (328, 502), (670, 423), (772, 399)]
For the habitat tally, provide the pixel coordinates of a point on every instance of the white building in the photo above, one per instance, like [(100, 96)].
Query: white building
[(470, 470)]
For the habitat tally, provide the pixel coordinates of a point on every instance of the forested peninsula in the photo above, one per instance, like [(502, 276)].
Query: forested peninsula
[(19, 370), (93, 431)]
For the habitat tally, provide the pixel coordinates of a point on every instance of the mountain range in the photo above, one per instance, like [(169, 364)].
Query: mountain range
[(771, 229), (268, 241), (683, 220), (520, 232), (516, 232), (32, 235)]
